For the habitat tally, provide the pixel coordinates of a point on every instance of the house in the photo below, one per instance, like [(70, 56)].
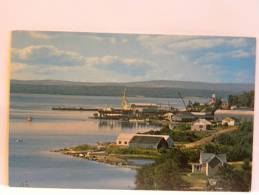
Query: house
[(229, 121), (209, 163), (241, 115), (201, 125), (123, 139), (148, 142), (168, 116)]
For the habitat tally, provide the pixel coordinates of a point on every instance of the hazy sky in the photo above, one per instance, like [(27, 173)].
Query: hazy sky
[(98, 57)]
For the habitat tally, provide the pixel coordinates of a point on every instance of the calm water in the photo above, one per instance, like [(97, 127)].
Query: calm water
[(33, 164)]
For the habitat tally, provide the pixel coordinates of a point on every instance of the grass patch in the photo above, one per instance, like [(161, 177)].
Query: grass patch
[(197, 181), (84, 147)]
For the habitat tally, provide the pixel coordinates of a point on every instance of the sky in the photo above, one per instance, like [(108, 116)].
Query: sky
[(96, 57)]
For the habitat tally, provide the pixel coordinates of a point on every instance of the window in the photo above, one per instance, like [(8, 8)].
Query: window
[(119, 142), (125, 142)]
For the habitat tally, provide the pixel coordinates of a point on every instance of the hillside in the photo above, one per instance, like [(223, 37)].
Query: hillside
[(153, 88)]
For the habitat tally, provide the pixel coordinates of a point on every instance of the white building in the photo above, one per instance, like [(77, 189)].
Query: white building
[(168, 116), (241, 115), (201, 125), (229, 121), (123, 139)]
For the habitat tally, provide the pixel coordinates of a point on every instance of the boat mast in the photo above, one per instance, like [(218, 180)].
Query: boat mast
[(124, 103)]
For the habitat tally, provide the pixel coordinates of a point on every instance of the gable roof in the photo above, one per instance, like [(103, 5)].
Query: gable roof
[(202, 121), (207, 157), (129, 136), (125, 136), (146, 140), (229, 119), (185, 115)]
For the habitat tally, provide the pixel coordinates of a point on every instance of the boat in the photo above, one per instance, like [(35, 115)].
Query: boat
[(19, 140), (29, 118)]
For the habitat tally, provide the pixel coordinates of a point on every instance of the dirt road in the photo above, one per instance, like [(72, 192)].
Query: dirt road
[(209, 138)]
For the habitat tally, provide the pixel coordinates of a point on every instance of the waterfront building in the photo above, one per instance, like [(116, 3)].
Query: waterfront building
[(201, 125), (209, 163), (203, 115), (184, 117), (168, 116), (241, 115), (148, 142), (123, 139), (229, 121)]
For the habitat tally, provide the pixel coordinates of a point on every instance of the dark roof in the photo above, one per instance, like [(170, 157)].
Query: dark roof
[(206, 157), (185, 115), (145, 140)]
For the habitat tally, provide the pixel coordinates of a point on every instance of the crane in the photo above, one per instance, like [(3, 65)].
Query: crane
[(189, 104), (181, 97)]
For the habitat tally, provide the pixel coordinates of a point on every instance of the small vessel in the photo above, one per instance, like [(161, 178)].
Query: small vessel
[(19, 140), (29, 118)]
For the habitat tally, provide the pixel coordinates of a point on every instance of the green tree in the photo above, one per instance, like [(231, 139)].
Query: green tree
[(165, 173), (230, 179)]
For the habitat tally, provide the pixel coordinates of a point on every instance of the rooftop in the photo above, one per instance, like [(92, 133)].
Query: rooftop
[(146, 140), (206, 157), (241, 112), (202, 121)]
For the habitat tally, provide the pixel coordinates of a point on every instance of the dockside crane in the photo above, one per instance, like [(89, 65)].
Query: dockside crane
[(181, 97), (186, 107)]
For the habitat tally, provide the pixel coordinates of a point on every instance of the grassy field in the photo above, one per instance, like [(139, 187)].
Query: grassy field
[(197, 181)]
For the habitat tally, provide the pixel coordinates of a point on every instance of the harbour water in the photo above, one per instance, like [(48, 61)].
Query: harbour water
[(33, 164)]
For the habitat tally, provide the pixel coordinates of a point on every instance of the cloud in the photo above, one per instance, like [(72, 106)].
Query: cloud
[(39, 35), (47, 59), (195, 44), (213, 57), (130, 66), (16, 67), (124, 40), (242, 53), (106, 57), (169, 45), (46, 55)]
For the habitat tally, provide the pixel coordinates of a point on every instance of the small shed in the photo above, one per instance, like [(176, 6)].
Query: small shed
[(148, 142), (209, 163), (201, 125)]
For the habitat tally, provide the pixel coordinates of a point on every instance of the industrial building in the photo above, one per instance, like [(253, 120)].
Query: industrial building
[(241, 115), (124, 139), (148, 142)]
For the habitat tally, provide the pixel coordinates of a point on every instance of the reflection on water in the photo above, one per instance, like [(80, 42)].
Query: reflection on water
[(124, 125), (140, 161), (31, 162)]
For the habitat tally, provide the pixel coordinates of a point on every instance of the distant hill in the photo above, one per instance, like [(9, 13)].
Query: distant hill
[(154, 88)]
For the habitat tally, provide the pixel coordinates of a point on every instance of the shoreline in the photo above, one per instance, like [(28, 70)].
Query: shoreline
[(117, 160)]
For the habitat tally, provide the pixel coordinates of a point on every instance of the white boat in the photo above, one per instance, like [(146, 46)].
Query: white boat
[(19, 140), (29, 118)]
